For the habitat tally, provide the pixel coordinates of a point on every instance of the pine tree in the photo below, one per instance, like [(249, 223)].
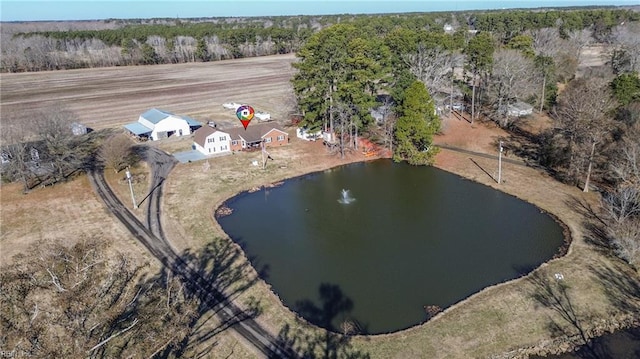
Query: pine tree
[(416, 126)]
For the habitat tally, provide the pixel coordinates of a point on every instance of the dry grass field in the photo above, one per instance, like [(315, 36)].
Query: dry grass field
[(502, 321)]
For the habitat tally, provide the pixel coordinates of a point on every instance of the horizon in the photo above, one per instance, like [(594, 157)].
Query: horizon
[(70, 10)]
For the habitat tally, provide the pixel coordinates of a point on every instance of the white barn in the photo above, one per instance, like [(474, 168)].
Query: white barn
[(158, 124), (211, 141)]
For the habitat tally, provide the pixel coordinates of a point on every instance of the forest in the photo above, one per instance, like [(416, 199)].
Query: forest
[(82, 44)]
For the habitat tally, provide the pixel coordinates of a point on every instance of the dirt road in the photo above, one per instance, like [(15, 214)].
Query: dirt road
[(202, 287), (114, 96)]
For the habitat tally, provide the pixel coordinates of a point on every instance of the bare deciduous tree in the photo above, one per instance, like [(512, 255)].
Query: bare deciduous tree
[(432, 66), (584, 117), (116, 152), (547, 41), (16, 136), (512, 78), (579, 39), (81, 301), (53, 127), (626, 40)]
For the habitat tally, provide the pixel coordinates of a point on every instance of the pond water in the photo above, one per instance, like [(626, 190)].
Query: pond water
[(397, 239)]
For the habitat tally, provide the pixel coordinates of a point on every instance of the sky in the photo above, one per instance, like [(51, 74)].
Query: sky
[(42, 10)]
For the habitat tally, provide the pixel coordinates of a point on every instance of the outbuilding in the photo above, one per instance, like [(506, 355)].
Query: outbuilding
[(157, 124)]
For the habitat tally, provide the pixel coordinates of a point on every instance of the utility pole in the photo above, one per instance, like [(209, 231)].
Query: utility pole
[(500, 164), (133, 198)]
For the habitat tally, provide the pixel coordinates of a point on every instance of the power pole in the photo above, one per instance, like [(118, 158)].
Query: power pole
[(133, 198), (500, 164)]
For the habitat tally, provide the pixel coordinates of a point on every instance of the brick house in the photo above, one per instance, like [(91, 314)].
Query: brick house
[(251, 138)]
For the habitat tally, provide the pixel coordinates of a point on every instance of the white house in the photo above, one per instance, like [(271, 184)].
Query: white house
[(158, 124), (211, 141)]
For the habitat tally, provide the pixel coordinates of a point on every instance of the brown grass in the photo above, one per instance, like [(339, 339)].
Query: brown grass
[(497, 320)]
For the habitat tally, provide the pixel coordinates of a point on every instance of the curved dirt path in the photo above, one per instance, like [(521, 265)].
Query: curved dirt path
[(160, 248)]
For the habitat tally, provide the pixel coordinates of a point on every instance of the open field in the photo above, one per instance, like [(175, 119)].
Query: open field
[(114, 96), (502, 319)]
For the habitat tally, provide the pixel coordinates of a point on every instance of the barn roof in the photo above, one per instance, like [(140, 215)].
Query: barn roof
[(154, 115), (137, 128)]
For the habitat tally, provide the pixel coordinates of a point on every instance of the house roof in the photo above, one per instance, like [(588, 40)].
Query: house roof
[(137, 128), (154, 115), (253, 133), (201, 134)]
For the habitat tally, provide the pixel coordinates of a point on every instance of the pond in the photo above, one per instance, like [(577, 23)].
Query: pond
[(397, 242)]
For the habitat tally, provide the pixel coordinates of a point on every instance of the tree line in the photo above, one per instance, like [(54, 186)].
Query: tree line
[(164, 41)]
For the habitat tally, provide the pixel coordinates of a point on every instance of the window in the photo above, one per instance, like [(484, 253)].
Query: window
[(234, 142), (267, 140), (281, 138), (223, 138), (211, 140)]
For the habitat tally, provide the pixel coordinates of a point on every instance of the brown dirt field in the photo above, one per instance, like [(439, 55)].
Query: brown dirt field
[(114, 96), (500, 319)]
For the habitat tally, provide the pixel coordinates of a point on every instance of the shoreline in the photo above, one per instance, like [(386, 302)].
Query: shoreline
[(563, 250), (278, 313)]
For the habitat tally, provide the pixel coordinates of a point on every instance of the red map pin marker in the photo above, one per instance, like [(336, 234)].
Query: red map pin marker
[(245, 114)]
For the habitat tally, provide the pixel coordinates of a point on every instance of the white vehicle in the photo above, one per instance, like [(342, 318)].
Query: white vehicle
[(231, 105), (262, 116)]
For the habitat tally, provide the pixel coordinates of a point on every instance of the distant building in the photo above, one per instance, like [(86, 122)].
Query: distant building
[(519, 109), (78, 129), (157, 124)]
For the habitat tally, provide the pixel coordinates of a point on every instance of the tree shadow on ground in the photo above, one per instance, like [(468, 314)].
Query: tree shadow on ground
[(523, 144), (622, 285), (569, 322), (595, 227), (332, 318), (213, 277)]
